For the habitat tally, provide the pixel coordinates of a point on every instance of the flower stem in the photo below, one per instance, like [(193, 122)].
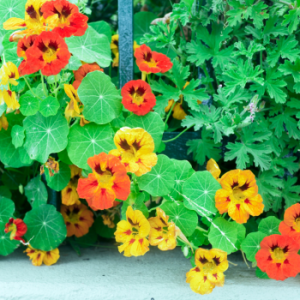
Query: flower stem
[(201, 229), (31, 89), (245, 260), (144, 76), (169, 113), (176, 137), (43, 84)]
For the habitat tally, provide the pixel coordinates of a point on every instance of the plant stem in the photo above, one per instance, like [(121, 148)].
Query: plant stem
[(31, 89), (144, 76), (176, 137), (43, 84), (169, 113), (203, 66), (245, 260), (232, 263), (201, 229), (261, 59)]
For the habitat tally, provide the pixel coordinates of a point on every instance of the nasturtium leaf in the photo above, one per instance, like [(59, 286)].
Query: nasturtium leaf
[(160, 180), (11, 9), (137, 202), (45, 135), (103, 230), (101, 99), (49, 106), (29, 105), (260, 274), (241, 234), (269, 225), (223, 235), (151, 122), (11, 55), (91, 47), (7, 209), (251, 244), (88, 239), (85, 142), (36, 192), (102, 28), (46, 228), (183, 171), (7, 246), (5, 192), (17, 135), (59, 180), (64, 157), (142, 22), (184, 218), (3, 108), (74, 64), (198, 238), (199, 193)]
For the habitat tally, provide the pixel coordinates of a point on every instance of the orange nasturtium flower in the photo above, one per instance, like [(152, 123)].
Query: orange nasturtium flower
[(83, 71), (135, 150), (52, 165), (17, 228), (69, 21), (9, 74), (291, 224), (3, 122), (208, 273), (279, 257), (133, 233), (150, 61), (38, 257), (78, 219), (10, 99), (74, 107), (213, 168), (69, 195), (23, 45), (109, 181), (138, 97), (162, 233), (239, 196)]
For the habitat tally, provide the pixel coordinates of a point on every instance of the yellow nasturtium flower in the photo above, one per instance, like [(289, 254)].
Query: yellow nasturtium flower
[(9, 74), (213, 168), (10, 99), (208, 273), (38, 257), (74, 107), (132, 233), (3, 122)]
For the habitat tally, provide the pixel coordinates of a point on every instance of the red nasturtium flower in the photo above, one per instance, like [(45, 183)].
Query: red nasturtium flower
[(138, 97), (23, 45), (278, 257), (108, 181), (69, 20), (17, 228), (150, 61), (49, 53), (83, 71)]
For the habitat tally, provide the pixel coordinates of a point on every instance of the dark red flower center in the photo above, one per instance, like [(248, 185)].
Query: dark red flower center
[(31, 12), (148, 56)]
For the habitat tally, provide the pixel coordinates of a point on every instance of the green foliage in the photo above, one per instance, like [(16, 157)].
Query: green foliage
[(36, 192)]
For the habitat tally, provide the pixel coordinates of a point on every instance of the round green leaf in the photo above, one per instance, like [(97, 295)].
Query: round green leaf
[(241, 234), (102, 27), (101, 99), (45, 135), (17, 135), (29, 105), (160, 180), (151, 122), (142, 22), (5, 192), (7, 209), (199, 193), (61, 179), (7, 246), (46, 228), (184, 218), (251, 244), (49, 107), (260, 274), (91, 47), (11, 9), (36, 192), (223, 235), (269, 225), (74, 64), (85, 142), (198, 238)]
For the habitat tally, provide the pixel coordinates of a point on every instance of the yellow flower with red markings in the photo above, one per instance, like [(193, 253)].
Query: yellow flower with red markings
[(3, 122), (135, 150), (9, 74), (239, 196), (132, 233), (78, 219), (38, 257), (74, 107), (17, 229), (10, 99), (208, 273), (162, 232), (69, 195), (213, 168), (52, 165)]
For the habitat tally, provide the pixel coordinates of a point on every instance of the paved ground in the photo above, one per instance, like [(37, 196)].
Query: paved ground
[(102, 273)]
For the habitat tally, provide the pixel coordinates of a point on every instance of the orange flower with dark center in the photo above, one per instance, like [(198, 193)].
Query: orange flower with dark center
[(49, 54), (78, 219), (17, 228), (69, 195), (108, 181), (38, 257), (83, 71), (278, 257), (150, 61), (69, 20), (138, 97)]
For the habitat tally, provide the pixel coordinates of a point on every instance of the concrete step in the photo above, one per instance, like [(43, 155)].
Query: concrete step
[(103, 273)]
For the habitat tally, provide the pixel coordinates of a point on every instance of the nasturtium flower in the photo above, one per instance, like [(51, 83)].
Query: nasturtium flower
[(150, 61), (138, 97), (38, 257), (132, 233), (3, 122), (9, 74), (10, 99), (69, 195), (17, 229), (208, 273), (49, 53), (279, 257), (291, 224), (213, 168), (74, 107), (108, 221), (23, 45), (109, 181), (52, 165), (68, 20), (239, 196), (162, 232), (78, 219), (135, 150), (83, 71)]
